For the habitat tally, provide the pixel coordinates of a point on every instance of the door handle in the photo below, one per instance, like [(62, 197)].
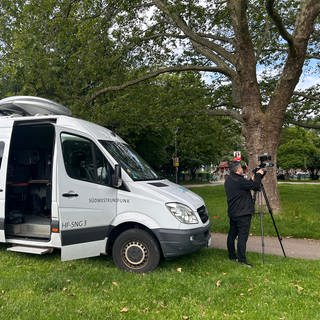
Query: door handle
[(1, 190), (70, 195)]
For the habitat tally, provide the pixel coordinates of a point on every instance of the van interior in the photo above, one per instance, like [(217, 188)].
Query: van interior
[(29, 176)]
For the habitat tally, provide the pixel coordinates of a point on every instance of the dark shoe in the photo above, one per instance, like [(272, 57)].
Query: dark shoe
[(245, 263), (233, 259)]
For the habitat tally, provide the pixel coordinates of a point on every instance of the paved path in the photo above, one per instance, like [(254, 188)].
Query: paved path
[(294, 248)]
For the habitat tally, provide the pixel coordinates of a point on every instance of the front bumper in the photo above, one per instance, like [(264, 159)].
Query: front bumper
[(179, 242)]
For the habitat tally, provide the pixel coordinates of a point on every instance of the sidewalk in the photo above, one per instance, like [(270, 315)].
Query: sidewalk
[(294, 248)]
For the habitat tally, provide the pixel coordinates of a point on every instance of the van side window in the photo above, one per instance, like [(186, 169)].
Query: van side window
[(84, 161), (1, 151)]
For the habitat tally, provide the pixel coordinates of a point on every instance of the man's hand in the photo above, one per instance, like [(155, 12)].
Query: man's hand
[(260, 171)]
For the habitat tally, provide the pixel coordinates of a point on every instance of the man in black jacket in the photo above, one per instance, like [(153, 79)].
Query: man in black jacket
[(240, 209)]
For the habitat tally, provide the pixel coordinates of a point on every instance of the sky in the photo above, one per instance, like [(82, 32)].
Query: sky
[(310, 75)]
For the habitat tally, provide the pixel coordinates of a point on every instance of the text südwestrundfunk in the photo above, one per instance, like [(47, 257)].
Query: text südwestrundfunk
[(108, 200)]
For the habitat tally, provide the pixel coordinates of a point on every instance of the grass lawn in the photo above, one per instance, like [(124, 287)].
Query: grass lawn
[(204, 285), (299, 217)]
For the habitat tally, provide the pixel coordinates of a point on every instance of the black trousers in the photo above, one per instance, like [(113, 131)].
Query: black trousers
[(239, 227)]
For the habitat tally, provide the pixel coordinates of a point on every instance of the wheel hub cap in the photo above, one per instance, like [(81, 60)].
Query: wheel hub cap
[(135, 253)]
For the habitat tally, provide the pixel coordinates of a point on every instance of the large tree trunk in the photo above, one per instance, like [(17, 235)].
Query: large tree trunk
[(260, 140), (261, 135)]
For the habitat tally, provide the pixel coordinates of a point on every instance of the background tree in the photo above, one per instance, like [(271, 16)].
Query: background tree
[(58, 49), (300, 149)]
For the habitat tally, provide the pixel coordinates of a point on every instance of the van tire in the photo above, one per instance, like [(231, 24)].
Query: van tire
[(136, 250)]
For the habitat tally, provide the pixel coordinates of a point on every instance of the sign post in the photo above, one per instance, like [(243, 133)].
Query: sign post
[(176, 165)]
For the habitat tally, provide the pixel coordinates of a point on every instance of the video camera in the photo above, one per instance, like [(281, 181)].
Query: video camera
[(264, 163)]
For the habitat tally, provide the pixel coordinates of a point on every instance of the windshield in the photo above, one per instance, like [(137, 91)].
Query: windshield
[(130, 161)]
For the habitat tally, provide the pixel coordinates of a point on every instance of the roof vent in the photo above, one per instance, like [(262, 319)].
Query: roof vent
[(30, 106)]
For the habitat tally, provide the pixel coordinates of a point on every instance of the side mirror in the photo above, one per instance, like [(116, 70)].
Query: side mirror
[(116, 177)]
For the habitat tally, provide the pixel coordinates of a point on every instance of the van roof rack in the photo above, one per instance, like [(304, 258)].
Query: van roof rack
[(31, 106)]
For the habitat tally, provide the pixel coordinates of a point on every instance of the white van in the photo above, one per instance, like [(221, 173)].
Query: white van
[(73, 185)]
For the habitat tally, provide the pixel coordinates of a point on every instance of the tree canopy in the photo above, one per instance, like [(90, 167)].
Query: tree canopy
[(250, 55)]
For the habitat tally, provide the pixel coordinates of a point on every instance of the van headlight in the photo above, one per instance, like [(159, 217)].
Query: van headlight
[(182, 212)]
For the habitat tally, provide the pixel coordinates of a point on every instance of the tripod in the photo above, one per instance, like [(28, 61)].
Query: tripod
[(262, 194)]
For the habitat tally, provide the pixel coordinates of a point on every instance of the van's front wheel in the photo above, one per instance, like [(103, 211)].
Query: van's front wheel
[(136, 250)]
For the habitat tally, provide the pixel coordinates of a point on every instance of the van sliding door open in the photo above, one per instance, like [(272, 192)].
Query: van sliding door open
[(29, 181)]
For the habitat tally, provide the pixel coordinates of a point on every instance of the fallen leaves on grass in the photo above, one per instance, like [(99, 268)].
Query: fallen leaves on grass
[(299, 288)]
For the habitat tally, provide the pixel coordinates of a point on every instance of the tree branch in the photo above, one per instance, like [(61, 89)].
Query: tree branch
[(159, 35), (154, 74), (313, 56), (215, 58), (305, 124), (245, 82), (292, 70), (215, 37), (226, 113), (183, 36), (308, 55), (307, 96), (182, 25), (278, 22)]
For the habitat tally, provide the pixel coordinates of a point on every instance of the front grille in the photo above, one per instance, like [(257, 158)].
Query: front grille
[(203, 214)]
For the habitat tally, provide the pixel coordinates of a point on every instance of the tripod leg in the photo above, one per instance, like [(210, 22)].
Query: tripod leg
[(272, 218), (260, 212)]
